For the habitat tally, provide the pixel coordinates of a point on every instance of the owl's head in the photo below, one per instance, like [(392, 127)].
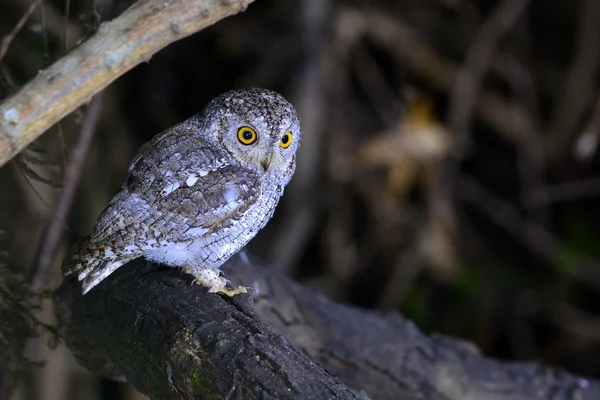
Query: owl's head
[(258, 128)]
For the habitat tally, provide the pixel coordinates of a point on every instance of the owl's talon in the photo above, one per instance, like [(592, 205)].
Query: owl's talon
[(212, 279), (223, 276), (228, 291)]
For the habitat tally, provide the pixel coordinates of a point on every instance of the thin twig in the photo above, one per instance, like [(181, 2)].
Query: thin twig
[(118, 46), (395, 35), (53, 233), (66, 31), (586, 145), (580, 84), (300, 214), (478, 60), (56, 24), (44, 33), (372, 81), (7, 40), (530, 155), (576, 321), (561, 193), (538, 239)]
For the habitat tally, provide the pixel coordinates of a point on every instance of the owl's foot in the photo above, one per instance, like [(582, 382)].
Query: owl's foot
[(212, 279), (229, 291)]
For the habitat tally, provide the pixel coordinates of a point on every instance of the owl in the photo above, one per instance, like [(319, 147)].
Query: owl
[(198, 192)]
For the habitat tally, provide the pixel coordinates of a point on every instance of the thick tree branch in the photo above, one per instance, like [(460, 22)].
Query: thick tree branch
[(118, 46), (174, 341)]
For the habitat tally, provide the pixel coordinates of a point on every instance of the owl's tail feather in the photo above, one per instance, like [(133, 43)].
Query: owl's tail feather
[(92, 262), (75, 260)]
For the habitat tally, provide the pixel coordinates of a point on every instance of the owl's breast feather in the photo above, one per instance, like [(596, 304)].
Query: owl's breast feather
[(212, 247)]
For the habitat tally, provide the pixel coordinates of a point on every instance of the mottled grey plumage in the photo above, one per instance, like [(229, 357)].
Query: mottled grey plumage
[(196, 194)]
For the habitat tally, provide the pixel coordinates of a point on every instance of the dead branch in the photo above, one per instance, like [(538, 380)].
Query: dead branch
[(119, 45)]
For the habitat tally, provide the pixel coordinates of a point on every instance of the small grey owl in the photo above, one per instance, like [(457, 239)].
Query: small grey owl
[(198, 192)]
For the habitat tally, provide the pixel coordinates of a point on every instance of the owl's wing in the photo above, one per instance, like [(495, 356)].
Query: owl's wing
[(176, 191)]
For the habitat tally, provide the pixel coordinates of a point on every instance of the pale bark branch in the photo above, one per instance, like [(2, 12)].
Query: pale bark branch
[(118, 46)]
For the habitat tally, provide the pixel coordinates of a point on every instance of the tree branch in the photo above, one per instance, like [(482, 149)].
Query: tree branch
[(53, 232), (118, 46), (172, 340), (7, 39)]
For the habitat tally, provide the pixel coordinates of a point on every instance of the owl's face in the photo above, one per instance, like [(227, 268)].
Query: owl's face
[(259, 129)]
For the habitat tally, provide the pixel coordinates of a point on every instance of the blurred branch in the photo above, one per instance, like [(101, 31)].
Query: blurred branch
[(538, 239), (561, 192), (7, 40), (56, 25), (479, 57), (580, 84), (53, 233), (586, 145), (396, 35), (576, 321), (172, 340), (371, 80), (300, 214), (119, 45), (530, 151)]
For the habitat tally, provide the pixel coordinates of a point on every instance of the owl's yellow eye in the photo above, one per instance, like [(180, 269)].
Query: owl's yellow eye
[(286, 140), (247, 135)]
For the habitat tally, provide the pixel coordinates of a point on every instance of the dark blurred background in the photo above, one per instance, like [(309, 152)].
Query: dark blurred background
[(448, 169)]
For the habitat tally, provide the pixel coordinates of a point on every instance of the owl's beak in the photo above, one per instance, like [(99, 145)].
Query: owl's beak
[(265, 164)]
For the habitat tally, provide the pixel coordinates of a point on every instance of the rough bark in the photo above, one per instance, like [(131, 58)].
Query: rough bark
[(172, 340)]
